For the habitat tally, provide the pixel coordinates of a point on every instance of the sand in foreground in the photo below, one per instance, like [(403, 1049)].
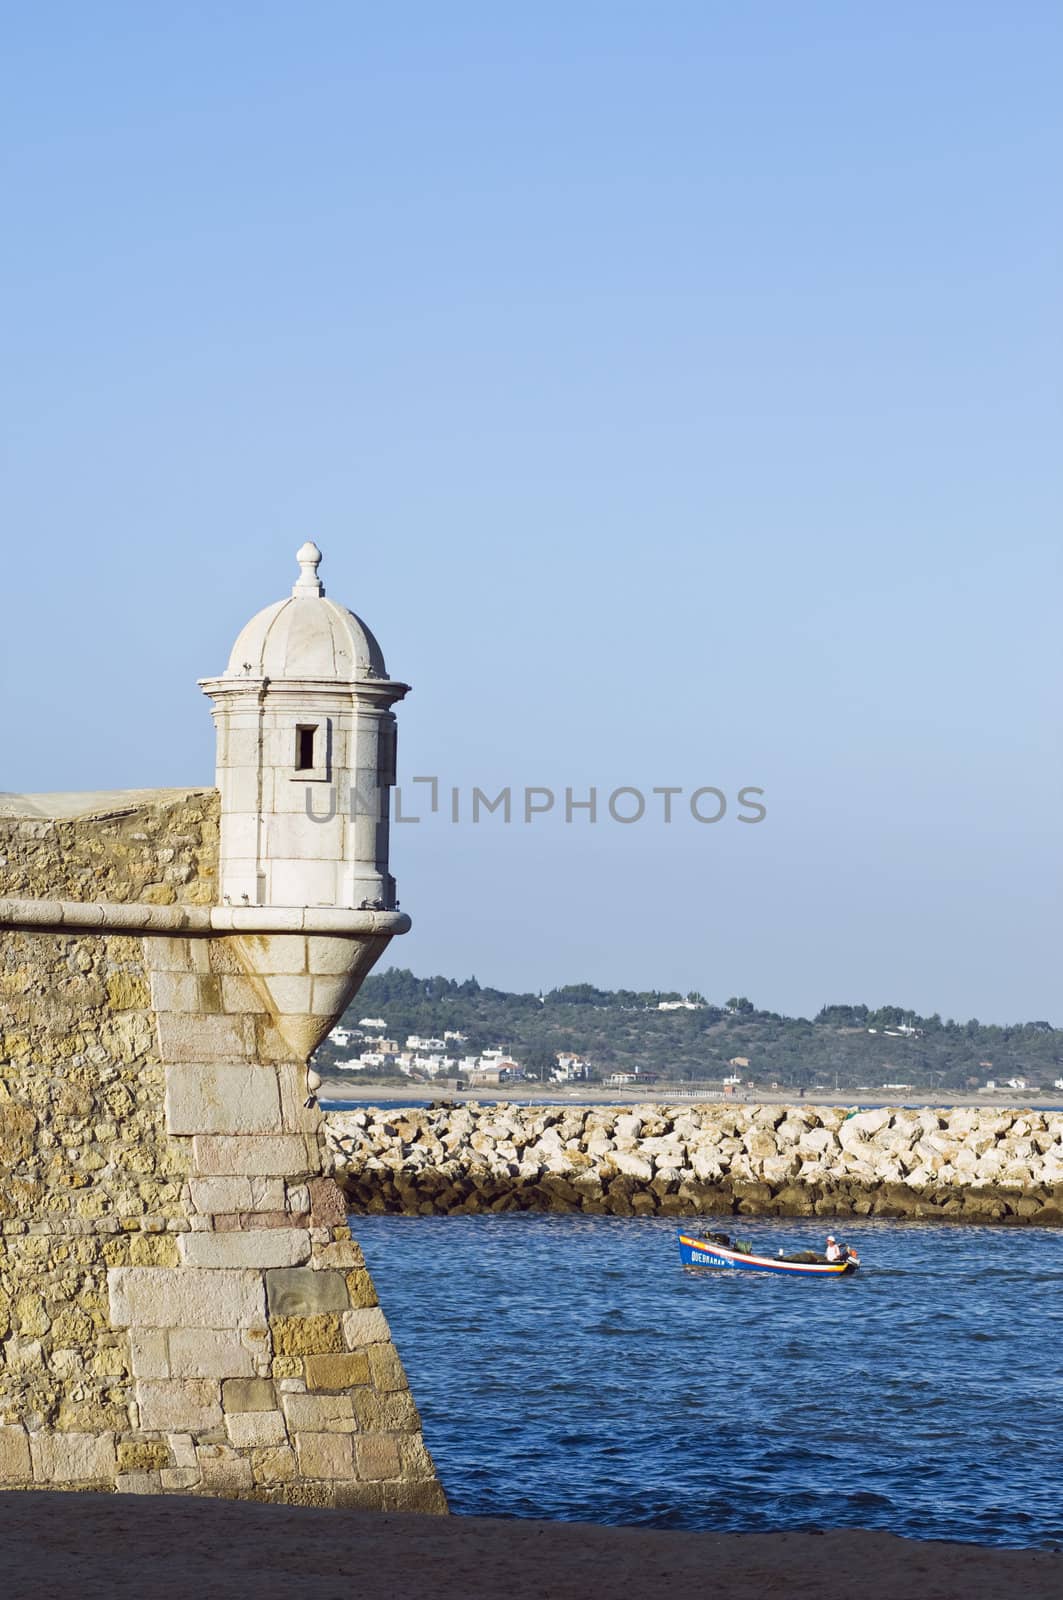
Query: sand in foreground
[(339, 1088), (87, 1547)]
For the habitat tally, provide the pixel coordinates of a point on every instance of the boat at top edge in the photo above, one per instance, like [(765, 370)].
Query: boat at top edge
[(695, 1252)]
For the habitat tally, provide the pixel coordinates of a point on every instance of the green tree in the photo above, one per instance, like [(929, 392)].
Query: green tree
[(540, 1060)]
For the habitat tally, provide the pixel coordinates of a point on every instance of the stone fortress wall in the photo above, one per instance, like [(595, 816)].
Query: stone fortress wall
[(182, 1307), (964, 1163)]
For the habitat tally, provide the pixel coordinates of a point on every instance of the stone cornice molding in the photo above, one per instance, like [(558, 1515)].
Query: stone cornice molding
[(131, 917), (379, 691)]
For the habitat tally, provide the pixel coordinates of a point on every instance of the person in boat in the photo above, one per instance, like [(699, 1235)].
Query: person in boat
[(834, 1251)]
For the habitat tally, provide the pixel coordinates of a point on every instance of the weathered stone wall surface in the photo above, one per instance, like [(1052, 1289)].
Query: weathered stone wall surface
[(655, 1160), (159, 847), (88, 1178), (85, 1001), (182, 1306)]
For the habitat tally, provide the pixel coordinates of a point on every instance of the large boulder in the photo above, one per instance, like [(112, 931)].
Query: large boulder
[(780, 1169), (793, 1200), (707, 1166), (762, 1144), (631, 1165), (865, 1124), (816, 1142)]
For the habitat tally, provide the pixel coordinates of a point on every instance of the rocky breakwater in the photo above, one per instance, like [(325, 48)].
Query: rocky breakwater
[(971, 1164)]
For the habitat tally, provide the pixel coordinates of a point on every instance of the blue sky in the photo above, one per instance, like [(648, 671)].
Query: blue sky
[(674, 390)]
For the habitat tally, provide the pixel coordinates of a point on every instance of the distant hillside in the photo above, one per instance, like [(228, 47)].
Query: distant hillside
[(621, 1029)]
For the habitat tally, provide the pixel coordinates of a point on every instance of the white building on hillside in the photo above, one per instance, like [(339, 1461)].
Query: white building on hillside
[(433, 1063), (496, 1072)]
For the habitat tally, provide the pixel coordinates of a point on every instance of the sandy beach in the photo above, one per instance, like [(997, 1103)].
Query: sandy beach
[(341, 1087), (95, 1547)]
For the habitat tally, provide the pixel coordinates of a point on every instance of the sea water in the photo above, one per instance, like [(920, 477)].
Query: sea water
[(569, 1367)]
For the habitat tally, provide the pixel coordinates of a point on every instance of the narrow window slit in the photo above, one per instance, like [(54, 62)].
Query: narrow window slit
[(304, 748)]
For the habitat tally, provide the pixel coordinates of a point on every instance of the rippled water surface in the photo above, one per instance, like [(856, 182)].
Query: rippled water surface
[(568, 1367)]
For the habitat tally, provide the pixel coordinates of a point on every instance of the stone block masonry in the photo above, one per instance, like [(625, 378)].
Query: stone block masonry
[(964, 1163), (182, 1306)]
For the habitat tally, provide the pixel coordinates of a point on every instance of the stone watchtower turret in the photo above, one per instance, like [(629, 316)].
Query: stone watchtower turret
[(306, 755), (305, 765)]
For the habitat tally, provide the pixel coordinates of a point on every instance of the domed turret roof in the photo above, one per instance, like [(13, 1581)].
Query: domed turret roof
[(306, 636)]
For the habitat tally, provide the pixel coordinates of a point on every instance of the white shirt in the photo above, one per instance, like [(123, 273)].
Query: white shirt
[(834, 1252)]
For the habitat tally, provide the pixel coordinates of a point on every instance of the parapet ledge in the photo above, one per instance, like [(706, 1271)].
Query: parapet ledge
[(131, 917)]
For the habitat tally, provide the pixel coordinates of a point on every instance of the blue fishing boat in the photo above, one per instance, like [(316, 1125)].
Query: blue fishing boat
[(720, 1251)]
